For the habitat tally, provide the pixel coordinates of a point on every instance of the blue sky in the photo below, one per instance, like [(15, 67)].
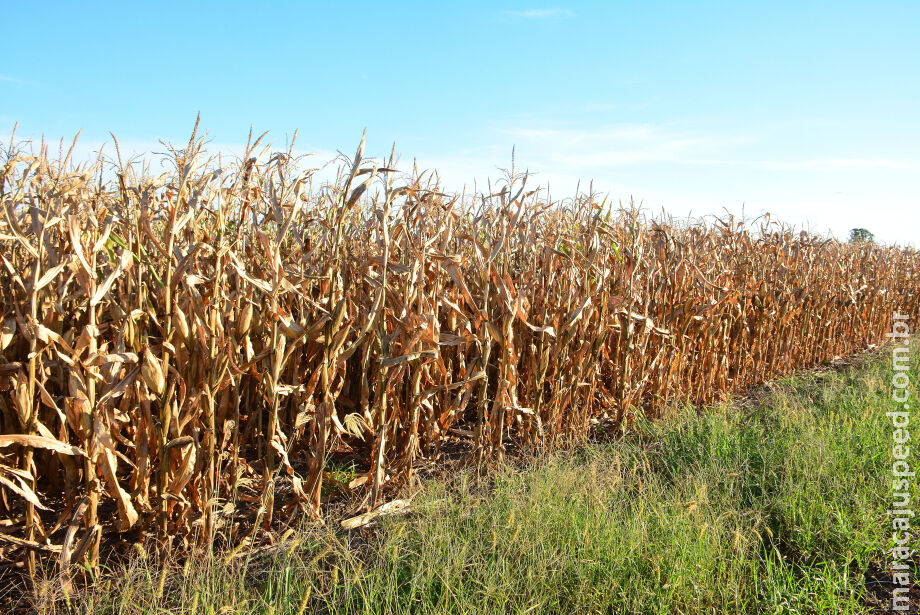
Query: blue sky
[(807, 110)]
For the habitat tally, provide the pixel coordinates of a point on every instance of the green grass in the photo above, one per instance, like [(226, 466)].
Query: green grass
[(774, 506)]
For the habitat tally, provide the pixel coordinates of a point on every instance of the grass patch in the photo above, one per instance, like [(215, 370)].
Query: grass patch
[(772, 506)]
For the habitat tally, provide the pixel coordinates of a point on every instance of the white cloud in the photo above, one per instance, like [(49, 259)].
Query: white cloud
[(833, 164), (618, 145), (693, 172)]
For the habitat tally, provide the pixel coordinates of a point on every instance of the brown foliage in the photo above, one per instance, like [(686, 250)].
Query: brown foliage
[(175, 347)]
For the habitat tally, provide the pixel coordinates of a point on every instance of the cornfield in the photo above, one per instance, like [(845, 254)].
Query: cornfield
[(185, 354)]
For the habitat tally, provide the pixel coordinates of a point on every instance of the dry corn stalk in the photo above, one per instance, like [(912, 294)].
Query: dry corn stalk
[(174, 347)]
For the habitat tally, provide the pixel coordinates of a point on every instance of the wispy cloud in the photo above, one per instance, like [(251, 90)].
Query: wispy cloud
[(619, 144), (695, 171), (836, 164), (596, 107), (624, 158), (18, 81), (660, 154), (554, 13)]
